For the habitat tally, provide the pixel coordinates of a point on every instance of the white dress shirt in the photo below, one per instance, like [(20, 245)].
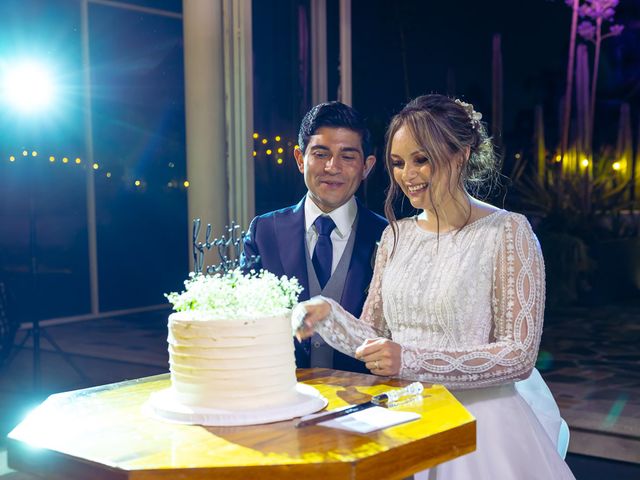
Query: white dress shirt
[(343, 217)]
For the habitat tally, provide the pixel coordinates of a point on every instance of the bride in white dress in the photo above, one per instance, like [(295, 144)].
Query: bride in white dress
[(457, 296)]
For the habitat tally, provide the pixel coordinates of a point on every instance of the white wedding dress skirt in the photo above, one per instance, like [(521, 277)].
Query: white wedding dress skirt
[(511, 444)]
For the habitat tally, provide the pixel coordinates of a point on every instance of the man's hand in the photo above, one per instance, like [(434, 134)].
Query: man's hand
[(306, 315), (381, 356)]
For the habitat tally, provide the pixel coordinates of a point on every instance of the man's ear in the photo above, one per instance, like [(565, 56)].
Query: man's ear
[(369, 163), (299, 156)]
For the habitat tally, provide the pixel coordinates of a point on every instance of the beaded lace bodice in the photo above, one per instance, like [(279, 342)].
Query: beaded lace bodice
[(467, 307)]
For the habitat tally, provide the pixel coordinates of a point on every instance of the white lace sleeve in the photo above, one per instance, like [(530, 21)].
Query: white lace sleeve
[(518, 312), (345, 332)]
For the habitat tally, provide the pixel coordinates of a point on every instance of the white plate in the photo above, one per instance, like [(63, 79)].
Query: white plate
[(162, 405)]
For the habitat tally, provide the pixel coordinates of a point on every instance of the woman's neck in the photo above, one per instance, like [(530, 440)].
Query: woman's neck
[(453, 214)]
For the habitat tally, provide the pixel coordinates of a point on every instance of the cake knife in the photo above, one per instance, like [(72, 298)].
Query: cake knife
[(381, 399)]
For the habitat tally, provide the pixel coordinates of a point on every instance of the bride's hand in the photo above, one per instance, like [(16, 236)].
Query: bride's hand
[(381, 356), (306, 315)]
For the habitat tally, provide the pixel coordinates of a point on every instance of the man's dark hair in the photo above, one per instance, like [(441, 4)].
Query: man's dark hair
[(334, 115)]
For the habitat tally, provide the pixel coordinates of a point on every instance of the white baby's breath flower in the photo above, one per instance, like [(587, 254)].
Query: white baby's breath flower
[(237, 295)]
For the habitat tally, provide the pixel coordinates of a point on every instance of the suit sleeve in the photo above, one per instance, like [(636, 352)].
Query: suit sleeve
[(250, 250)]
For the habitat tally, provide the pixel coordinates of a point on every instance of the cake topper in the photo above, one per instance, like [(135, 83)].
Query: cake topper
[(229, 250)]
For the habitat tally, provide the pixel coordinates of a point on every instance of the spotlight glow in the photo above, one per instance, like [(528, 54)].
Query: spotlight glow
[(27, 86)]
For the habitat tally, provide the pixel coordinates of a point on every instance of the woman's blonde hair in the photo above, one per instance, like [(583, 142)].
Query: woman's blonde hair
[(443, 128)]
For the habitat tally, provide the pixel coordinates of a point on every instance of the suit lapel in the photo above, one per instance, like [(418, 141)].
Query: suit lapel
[(290, 234)]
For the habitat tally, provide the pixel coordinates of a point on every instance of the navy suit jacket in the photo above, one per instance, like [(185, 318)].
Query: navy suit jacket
[(279, 239)]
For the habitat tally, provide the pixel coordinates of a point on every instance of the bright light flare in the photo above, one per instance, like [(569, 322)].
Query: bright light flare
[(27, 86)]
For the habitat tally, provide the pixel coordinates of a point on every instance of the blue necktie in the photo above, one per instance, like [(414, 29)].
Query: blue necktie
[(323, 253)]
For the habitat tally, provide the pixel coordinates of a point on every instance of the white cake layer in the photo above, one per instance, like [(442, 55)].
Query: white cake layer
[(235, 402), (234, 378), (230, 388), (231, 364), (225, 352), (207, 340), (186, 327), (219, 357)]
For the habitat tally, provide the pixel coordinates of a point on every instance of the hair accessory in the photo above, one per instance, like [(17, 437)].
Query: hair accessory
[(474, 116)]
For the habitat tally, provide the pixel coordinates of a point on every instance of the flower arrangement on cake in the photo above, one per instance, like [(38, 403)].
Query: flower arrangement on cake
[(236, 294), (230, 339)]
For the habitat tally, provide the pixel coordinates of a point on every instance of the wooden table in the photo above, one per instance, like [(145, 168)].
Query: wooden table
[(101, 433)]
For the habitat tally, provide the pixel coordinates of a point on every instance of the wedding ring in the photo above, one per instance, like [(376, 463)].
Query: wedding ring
[(377, 365)]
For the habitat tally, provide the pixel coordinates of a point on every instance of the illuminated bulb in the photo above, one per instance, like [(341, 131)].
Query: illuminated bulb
[(171, 164), (558, 158), (269, 152), (34, 154), (264, 141), (27, 86), (256, 136), (137, 183), (96, 166), (277, 138), (297, 146), (52, 159), (584, 162), (25, 153), (186, 184), (616, 166), (517, 155), (78, 161), (255, 153), (108, 174), (12, 158), (280, 161), (280, 150), (65, 160)]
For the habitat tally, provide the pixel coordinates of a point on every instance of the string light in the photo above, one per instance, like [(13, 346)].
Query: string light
[(137, 183), (65, 160), (616, 166), (277, 138), (584, 162), (52, 158), (186, 184), (517, 155), (280, 150), (558, 158), (96, 166), (255, 153), (108, 175), (34, 154), (297, 146), (12, 158), (280, 161), (269, 152), (256, 136), (25, 153), (78, 161), (264, 141)]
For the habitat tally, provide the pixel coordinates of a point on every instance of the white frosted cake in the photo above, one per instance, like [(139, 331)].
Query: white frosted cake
[(231, 364), (231, 353)]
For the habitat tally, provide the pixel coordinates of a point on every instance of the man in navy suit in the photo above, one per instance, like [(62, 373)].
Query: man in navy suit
[(328, 240)]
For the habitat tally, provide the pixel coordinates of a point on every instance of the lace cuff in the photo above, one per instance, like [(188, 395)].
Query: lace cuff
[(343, 331)]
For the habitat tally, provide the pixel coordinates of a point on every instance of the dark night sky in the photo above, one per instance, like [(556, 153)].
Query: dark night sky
[(408, 47)]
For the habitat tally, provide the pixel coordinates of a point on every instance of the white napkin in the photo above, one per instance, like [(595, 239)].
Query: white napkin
[(371, 419)]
